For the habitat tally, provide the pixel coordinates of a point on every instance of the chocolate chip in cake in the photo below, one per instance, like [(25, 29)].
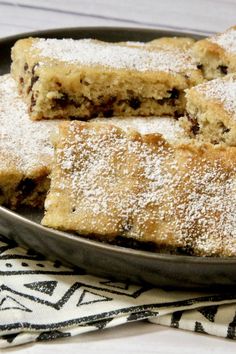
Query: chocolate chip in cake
[(135, 103), (194, 125), (223, 69), (26, 67), (200, 66), (21, 80), (195, 129), (26, 187), (34, 67), (58, 83), (108, 113), (223, 128), (61, 102), (34, 79), (33, 103), (174, 93)]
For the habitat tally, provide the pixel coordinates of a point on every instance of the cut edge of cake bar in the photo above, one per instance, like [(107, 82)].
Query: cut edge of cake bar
[(211, 111), (216, 55), (84, 79), (26, 152)]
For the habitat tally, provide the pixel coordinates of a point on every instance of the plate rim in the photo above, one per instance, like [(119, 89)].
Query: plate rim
[(178, 31), (115, 248), (184, 259)]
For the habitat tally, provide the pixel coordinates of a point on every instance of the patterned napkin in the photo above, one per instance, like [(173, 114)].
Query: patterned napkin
[(40, 300)]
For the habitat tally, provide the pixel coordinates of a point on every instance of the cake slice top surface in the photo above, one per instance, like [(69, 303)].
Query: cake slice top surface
[(222, 90), (143, 178), (26, 141), (226, 40), (89, 52)]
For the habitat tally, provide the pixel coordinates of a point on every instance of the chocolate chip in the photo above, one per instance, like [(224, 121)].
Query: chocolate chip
[(26, 187), (177, 114), (105, 107), (174, 94), (34, 79), (108, 113), (21, 80), (223, 69), (195, 129), (26, 67), (34, 67), (61, 102), (194, 125), (58, 83), (33, 103), (134, 103), (223, 128), (200, 66)]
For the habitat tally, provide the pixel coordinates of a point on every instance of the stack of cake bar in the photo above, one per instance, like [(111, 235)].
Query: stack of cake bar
[(125, 141)]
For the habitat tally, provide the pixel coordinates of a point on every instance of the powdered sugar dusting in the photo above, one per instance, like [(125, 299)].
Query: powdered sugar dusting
[(221, 90), (27, 141), (89, 52), (121, 185), (226, 40), (168, 127)]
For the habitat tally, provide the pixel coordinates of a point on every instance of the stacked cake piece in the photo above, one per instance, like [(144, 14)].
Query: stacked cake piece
[(156, 164)]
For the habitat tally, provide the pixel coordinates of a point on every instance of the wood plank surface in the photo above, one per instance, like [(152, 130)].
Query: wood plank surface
[(202, 15)]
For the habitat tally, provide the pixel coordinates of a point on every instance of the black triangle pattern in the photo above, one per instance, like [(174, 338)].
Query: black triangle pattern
[(209, 312), (141, 315), (9, 244), (14, 304), (46, 287), (50, 335), (231, 332), (175, 318), (100, 324), (199, 328), (97, 298), (10, 337), (115, 284)]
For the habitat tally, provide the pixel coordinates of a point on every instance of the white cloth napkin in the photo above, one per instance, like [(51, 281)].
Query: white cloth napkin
[(40, 300)]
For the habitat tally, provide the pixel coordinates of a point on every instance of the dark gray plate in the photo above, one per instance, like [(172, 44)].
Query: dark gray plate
[(96, 257)]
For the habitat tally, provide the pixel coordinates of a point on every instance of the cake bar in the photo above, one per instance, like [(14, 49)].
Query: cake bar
[(211, 111), (117, 183), (82, 79), (25, 151), (216, 55)]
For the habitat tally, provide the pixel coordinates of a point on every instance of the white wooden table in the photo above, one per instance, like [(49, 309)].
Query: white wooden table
[(202, 16)]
